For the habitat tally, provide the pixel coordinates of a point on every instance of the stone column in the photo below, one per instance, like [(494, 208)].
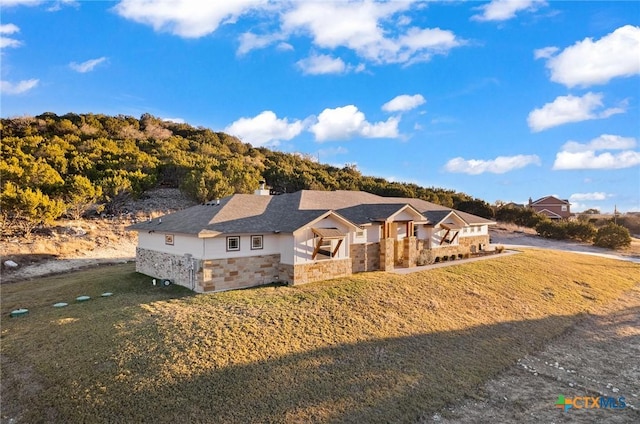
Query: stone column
[(387, 247), (410, 253)]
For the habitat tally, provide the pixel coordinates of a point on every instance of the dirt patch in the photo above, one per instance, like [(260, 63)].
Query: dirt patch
[(597, 357), (75, 244)]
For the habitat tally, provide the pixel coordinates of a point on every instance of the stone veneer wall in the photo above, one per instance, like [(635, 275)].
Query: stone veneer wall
[(166, 266), (321, 270), (365, 257), (235, 273), (387, 254), (467, 242)]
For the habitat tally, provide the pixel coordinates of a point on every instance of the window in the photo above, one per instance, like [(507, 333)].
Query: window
[(168, 239), (359, 233), (563, 208), (233, 243), (256, 242)]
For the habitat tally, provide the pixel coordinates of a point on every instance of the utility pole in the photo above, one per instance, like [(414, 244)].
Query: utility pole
[(615, 214)]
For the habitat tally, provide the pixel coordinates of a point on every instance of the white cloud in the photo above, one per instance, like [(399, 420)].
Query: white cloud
[(174, 120), (361, 26), (358, 26), (499, 165), (53, 5), (186, 18), (403, 103), (502, 10), (590, 62), (347, 122), (591, 160), (250, 41), (23, 86), (603, 142), (574, 155), (545, 53), (321, 64), (566, 109), (285, 47), (581, 197), (264, 128), (8, 41), (9, 29), (9, 3), (87, 66)]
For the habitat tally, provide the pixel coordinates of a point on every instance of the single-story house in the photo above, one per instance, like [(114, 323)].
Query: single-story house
[(246, 240), (552, 207)]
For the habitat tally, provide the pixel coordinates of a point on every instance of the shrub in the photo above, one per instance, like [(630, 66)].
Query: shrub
[(582, 231), (499, 249), (612, 236), (437, 259), (524, 217), (452, 257), (552, 230), (460, 255), (424, 258)]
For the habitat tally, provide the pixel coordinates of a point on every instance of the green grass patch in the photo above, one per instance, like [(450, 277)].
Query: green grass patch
[(375, 347)]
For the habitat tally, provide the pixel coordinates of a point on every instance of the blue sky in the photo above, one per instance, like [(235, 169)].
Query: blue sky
[(503, 100)]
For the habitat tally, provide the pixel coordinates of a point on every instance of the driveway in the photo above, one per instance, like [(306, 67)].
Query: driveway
[(512, 240)]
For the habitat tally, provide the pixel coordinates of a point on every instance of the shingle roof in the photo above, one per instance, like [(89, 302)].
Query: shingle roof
[(249, 213), (545, 199)]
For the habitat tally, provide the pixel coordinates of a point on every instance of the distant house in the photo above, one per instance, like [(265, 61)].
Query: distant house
[(552, 207), (513, 205), (246, 240)]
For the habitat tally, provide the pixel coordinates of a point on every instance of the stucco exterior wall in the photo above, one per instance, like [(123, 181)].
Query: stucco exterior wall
[(216, 247), (182, 243), (304, 241)]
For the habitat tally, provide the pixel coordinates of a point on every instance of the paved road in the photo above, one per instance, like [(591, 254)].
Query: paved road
[(518, 240)]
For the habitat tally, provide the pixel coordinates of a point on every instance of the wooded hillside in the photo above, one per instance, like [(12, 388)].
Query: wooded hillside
[(61, 165)]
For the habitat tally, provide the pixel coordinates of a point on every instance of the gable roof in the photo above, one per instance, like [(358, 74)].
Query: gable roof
[(250, 213), (550, 214), (550, 200)]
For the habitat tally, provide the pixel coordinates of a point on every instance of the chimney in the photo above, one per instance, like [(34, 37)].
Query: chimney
[(263, 190)]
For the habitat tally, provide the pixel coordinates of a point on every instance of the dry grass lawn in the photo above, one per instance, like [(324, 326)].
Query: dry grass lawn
[(375, 347)]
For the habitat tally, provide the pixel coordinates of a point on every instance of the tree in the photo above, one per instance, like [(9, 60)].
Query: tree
[(476, 207), (612, 236), (27, 208), (80, 195), (205, 185)]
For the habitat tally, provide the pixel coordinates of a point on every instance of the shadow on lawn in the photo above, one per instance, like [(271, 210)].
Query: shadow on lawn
[(403, 379)]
